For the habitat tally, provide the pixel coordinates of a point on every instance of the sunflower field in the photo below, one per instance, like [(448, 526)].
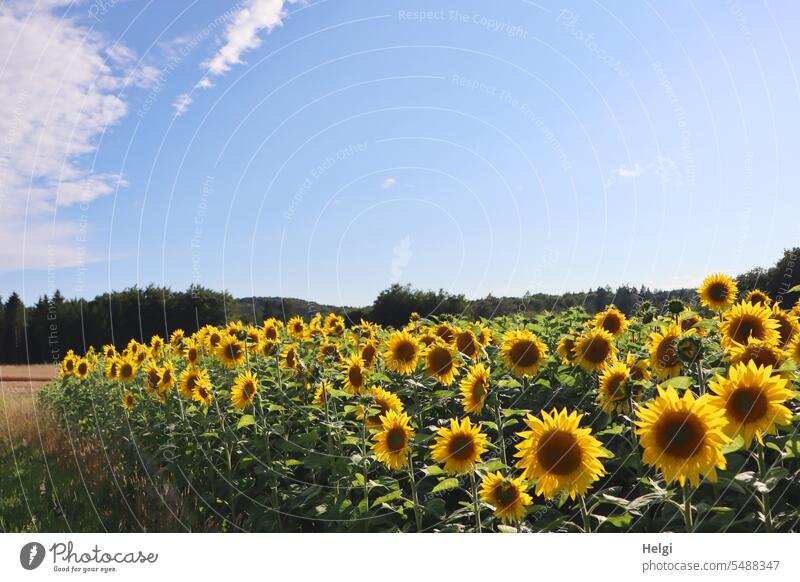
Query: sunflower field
[(680, 420)]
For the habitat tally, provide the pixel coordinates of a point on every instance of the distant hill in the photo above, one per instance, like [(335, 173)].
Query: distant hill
[(257, 309)]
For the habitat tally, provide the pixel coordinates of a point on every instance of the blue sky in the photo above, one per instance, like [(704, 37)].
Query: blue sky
[(326, 149)]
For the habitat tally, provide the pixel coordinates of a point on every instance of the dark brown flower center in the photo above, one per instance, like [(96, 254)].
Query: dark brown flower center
[(680, 434), (667, 352), (718, 292), (506, 494), (747, 404), (404, 351), (745, 327), (559, 452), (396, 439), (439, 360), (597, 351), (524, 353), (462, 447), (355, 376), (611, 323)]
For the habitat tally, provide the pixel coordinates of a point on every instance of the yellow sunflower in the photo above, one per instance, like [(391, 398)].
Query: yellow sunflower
[(442, 362), (485, 335), (615, 387), (290, 360), (202, 391), (759, 352), (612, 320), (322, 393), (745, 320), (128, 400), (82, 368), (788, 326), (190, 378), (752, 399), (507, 495), (191, 352), (156, 345), (334, 325), (212, 337), (402, 353), (68, 365), (445, 332), (566, 348), (244, 390), (639, 367), (112, 368), (296, 327), (391, 445), (152, 377), (459, 447), (384, 402), (177, 338), (230, 351), (559, 454), (167, 374), (267, 347), (682, 436), (523, 352), (355, 375), (126, 371), (467, 343), (663, 346), (593, 348), (474, 389), (109, 351), (369, 354), (758, 297), (718, 292)]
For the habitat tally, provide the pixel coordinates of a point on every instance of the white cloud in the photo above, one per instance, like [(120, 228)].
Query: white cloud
[(60, 89), (388, 183), (181, 103), (664, 168), (241, 35), (629, 171)]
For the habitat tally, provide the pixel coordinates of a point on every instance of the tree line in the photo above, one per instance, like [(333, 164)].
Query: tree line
[(44, 331)]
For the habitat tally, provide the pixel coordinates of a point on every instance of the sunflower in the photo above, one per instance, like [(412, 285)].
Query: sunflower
[(244, 390), (683, 436), (334, 325), (156, 345), (369, 353), (202, 391), (402, 353), (718, 292), (566, 348), (385, 401), (663, 346), (190, 378), (296, 327), (68, 365), (445, 332), (112, 368), (191, 352), (128, 400), (793, 350), (212, 338), (559, 454), (167, 378), (639, 367), (507, 495), (230, 351), (109, 351), (271, 331), (745, 320), (152, 378), (485, 335), (788, 326), (82, 368), (612, 320), (758, 297), (177, 338), (759, 352), (355, 375), (593, 348), (523, 352), (442, 362), (467, 343), (752, 399), (322, 393), (474, 389), (127, 370), (267, 347), (290, 360), (615, 387), (459, 447), (391, 445), (689, 321)]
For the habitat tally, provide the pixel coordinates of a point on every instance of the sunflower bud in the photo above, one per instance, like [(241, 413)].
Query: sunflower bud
[(675, 306), (688, 348)]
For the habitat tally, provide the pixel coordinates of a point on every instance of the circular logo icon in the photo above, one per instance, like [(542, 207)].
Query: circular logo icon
[(31, 555)]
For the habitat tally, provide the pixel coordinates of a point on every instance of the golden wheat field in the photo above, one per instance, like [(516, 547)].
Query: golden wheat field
[(684, 420)]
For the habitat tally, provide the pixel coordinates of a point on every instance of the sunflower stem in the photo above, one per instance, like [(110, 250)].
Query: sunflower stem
[(414, 494), (765, 500), (687, 508), (499, 419), (587, 522), (364, 458), (475, 501)]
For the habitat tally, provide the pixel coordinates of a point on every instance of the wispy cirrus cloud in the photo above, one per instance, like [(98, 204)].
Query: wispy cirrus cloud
[(62, 85)]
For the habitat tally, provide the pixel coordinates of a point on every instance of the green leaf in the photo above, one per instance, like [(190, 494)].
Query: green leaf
[(246, 420), (446, 485), (679, 382), (736, 445), (388, 497)]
